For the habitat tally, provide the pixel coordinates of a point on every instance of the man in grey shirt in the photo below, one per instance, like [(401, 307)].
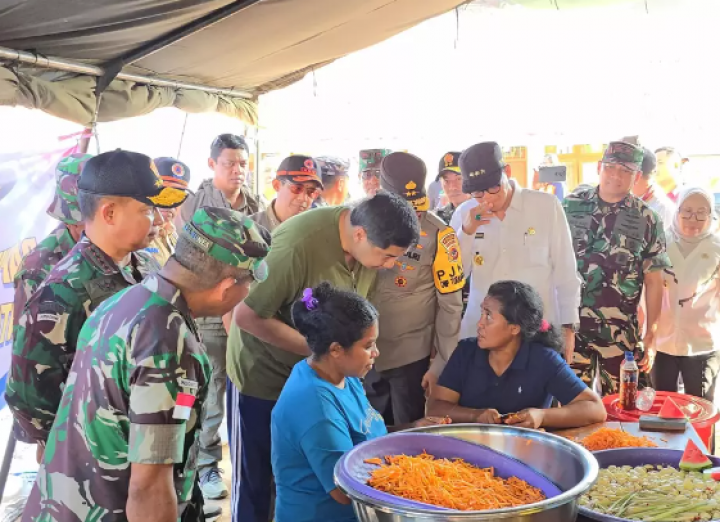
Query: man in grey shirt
[(297, 184), (226, 189)]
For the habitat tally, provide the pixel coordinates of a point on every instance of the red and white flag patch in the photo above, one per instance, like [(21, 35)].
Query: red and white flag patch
[(183, 406)]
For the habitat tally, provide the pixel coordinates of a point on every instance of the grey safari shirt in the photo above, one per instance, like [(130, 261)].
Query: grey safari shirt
[(208, 195), (419, 300)]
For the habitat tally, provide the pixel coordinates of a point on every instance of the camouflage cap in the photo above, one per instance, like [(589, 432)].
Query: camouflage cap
[(64, 206), (627, 154), (370, 158), (230, 237)]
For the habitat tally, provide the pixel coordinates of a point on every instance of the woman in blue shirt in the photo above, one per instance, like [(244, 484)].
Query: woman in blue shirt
[(514, 366), (322, 411)]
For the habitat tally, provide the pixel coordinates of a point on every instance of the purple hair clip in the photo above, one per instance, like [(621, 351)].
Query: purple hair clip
[(307, 298)]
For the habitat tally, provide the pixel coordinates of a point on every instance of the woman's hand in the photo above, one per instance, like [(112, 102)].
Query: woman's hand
[(531, 418), (488, 417), (431, 421)]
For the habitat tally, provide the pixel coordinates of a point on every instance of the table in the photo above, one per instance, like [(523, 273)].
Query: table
[(663, 440)]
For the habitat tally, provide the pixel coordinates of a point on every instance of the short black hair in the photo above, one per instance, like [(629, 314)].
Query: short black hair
[(336, 316), (89, 204), (520, 304), (388, 220), (227, 141)]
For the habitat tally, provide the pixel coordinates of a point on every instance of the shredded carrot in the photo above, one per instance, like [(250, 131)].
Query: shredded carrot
[(453, 484), (376, 461), (610, 438)]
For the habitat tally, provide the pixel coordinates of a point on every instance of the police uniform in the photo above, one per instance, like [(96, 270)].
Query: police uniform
[(175, 174), (616, 244), (45, 340), (419, 302), (38, 263), (136, 390), (450, 163)]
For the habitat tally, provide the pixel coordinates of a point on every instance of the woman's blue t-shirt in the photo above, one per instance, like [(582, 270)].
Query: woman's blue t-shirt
[(313, 424), (536, 375)]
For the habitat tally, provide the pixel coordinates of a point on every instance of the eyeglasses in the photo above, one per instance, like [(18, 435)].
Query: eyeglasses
[(367, 175), (701, 215), (297, 189), (491, 190)]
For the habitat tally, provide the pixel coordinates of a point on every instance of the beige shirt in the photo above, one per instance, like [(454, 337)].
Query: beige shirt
[(419, 300), (210, 196), (267, 218)]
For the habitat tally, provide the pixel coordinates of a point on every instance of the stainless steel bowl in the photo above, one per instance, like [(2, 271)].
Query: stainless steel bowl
[(569, 465)]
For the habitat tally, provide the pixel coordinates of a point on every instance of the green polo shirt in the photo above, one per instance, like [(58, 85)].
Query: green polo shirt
[(306, 251)]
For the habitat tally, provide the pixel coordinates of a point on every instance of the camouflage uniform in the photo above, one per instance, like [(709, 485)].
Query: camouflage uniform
[(136, 390), (45, 340), (615, 246), (38, 263)]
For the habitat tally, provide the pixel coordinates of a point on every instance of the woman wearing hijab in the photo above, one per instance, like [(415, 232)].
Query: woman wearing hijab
[(688, 335)]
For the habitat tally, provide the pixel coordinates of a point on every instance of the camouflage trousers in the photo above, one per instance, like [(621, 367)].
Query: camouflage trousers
[(194, 509), (602, 375)]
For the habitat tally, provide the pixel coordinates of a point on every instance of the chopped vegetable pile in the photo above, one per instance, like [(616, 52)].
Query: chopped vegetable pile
[(610, 438), (654, 494), (453, 484)]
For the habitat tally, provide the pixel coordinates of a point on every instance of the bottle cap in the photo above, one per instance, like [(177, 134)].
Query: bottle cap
[(629, 356)]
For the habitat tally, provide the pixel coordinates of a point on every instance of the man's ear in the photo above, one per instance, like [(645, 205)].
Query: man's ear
[(211, 163), (276, 184), (107, 211), (508, 171), (359, 234)]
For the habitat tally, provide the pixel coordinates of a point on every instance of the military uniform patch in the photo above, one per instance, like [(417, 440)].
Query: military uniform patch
[(447, 267), (401, 281)]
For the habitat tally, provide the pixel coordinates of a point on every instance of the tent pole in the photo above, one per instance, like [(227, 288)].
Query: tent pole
[(113, 67), (7, 461), (59, 64)]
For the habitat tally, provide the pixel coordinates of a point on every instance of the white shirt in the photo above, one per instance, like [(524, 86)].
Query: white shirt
[(693, 327), (533, 245), (663, 207)]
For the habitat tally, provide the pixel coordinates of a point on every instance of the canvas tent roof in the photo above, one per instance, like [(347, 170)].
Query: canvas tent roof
[(265, 45)]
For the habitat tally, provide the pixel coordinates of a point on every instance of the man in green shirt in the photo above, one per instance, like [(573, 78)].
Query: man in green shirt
[(335, 244)]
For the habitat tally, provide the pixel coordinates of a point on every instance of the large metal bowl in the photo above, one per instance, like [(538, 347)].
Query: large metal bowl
[(567, 464)]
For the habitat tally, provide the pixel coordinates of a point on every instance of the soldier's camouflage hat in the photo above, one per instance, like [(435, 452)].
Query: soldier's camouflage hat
[(370, 159), (404, 174), (625, 154), (64, 206), (230, 237), (331, 167)]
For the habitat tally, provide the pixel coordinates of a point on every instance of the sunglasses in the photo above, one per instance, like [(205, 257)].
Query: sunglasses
[(367, 175), (297, 189)]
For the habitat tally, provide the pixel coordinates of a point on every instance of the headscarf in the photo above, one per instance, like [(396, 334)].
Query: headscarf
[(675, 229)]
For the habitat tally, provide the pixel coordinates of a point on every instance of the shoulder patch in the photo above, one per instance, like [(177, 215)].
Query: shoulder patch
[(447, 267)]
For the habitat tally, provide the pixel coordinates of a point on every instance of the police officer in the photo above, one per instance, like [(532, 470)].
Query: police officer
[(126, 443), (419, 302), (370, 160), (451, 180), (38, 263), (118, 193), (620, 247), (175, 174)]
